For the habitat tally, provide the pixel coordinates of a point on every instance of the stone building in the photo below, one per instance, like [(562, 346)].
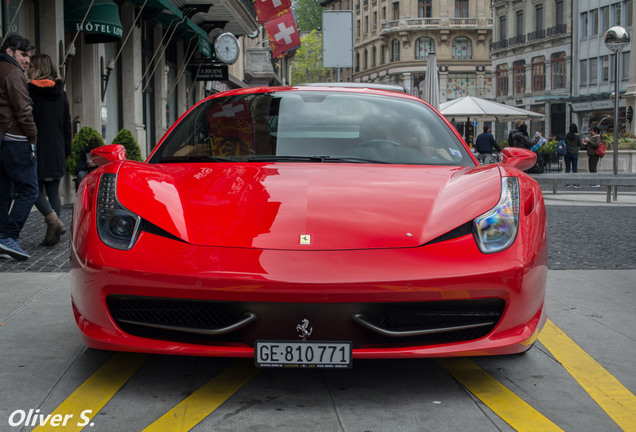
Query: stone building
[(392, 40)]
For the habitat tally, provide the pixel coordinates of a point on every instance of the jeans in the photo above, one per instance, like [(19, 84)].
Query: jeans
[(573, 160), (18, 167)]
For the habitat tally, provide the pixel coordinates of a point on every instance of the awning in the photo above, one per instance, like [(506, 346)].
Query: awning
[(204, 45), (98, 20), (168, 15)]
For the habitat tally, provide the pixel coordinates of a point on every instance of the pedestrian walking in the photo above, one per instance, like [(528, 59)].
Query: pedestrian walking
[(485, 144), (18, 164), (53, 120), (573, 143), (514, 131), (592, 144), (521, 138)]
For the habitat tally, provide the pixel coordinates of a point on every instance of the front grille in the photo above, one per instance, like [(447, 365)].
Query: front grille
[(131, 313), (442, 314), (384, 324)]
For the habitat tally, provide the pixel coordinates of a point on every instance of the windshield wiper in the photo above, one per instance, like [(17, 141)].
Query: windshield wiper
[(282, 158), (194, 158)]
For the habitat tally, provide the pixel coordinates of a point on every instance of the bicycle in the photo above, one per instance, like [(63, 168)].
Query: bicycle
[(488, 158)]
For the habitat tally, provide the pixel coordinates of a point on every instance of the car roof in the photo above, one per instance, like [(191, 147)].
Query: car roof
[(391, 87)]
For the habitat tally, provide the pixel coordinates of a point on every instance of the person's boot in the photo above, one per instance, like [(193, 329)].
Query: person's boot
[(54, 229)]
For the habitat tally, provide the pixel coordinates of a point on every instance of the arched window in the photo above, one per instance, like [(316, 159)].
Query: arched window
[(462, 48), (395, 50), (423, 47)]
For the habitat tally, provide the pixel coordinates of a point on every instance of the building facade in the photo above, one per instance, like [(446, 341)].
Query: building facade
[(137, 64), (392, 40), (140, 64), (532, 59), (594, 79)]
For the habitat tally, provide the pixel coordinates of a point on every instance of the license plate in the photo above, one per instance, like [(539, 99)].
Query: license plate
[(302, 354)]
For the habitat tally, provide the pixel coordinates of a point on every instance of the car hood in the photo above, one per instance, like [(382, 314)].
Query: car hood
[(307, 206)]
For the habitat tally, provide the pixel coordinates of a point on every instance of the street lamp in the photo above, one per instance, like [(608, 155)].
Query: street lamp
[(616, 39)]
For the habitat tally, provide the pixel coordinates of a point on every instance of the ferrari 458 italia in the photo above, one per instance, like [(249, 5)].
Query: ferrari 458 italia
[(310, 226)]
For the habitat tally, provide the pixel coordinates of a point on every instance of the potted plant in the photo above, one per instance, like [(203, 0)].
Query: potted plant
[(80, 141), (126, 138)]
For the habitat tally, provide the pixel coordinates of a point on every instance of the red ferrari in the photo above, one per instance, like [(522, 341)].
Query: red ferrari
[(307, 227)]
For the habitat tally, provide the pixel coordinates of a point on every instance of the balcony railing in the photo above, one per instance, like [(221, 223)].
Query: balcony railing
[(498, 45), (532, 36), (434, 23), (536, 35), (517, 40), (558, 30)]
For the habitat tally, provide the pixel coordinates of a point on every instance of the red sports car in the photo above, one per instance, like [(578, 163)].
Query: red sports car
[(310, 226)]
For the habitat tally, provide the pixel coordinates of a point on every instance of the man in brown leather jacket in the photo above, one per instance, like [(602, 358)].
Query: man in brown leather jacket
[(18, 165)]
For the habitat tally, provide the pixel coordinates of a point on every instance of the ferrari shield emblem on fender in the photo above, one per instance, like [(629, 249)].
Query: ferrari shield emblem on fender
[(305, 239)]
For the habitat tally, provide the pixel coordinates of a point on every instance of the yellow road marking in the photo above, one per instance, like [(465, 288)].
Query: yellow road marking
[(618, 402), (206, 399), (507, 405), (77, 410)]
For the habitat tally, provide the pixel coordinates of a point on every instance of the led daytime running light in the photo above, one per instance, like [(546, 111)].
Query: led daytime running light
[(117, 227), (496, 230)]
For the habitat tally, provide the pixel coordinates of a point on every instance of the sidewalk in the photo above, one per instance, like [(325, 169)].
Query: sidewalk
[(587, 197)]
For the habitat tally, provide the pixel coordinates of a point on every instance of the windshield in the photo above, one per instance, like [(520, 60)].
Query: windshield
[(312, 126)]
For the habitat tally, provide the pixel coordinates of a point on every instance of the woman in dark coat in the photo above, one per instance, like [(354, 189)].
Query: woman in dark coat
[(53, 120), (573, 143)]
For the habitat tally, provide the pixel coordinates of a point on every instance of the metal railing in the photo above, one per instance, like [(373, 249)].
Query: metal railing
[(554, 31), (557, 30), (433, 23), (517, 40)]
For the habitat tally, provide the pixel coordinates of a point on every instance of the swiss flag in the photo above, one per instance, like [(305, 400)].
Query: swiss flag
[(283, 34), (267, 10)]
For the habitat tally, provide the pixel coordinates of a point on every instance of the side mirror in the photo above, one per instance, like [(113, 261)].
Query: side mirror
[(519, 158), (106, 154)]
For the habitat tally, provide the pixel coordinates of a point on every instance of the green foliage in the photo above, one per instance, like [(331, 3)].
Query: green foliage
[(549, 147), (503, 144), (126, 138), (308, 14), (307, 64), (80, 140)]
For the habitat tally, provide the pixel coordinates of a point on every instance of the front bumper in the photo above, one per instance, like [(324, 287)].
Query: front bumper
[(439, 285)]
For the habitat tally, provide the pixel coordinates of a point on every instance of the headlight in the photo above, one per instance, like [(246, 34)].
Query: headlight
[(497, 229), (117, 227)]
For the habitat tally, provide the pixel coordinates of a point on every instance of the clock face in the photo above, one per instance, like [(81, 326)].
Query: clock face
[(227, 48)]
